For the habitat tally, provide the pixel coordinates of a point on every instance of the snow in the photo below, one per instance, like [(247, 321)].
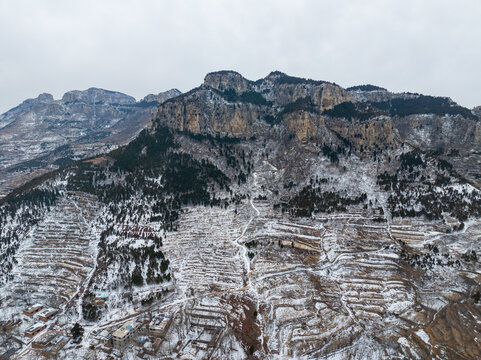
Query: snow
[(403, 341), (326, 300), (424, 337)]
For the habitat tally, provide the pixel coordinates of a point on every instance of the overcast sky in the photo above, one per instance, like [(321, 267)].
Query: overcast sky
[(141, 47)]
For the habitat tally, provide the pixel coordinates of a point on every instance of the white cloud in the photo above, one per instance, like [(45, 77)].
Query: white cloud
[(140, 47)]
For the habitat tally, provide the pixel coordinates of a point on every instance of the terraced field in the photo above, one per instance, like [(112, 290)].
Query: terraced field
[(334, 285), (58, 255), (322, 286), (203, 254), (251, 279)]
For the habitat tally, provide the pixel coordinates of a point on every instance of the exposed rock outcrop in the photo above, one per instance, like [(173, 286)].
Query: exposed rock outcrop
[(377, 133), (206, 112), (162, 96), (477, 111), (96, 96), (227, 104), (227, 80), (304, 125)]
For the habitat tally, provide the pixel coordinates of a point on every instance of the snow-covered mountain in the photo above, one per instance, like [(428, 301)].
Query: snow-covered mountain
[(269, 219)]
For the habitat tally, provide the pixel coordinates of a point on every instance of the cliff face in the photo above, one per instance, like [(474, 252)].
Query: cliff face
[(304, 125), (283, 89), (227, 80), (433, 131), (368, 118), (333, 95), (280, 88), (227, 104), (377, 133), (206, 112)]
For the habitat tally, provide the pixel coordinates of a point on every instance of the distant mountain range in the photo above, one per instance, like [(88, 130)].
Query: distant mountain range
[(41, 134)]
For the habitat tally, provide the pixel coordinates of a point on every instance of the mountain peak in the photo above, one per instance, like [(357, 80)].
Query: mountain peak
[(162, 96), (45, 97), (226, 80), (367, 87), (98, 95), (275, 74), (283, 78)]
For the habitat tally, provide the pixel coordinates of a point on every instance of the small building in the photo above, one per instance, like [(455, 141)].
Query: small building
[(34, 330), (106, 337), (47, 314), (32, 310), (122, 336), (43, 341), (159, 326), (100, 298), (55, 345)]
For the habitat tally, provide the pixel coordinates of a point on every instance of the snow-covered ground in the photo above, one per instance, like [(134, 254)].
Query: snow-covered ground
[(249, 279)]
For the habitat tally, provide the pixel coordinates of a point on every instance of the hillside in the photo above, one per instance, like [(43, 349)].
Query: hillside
[(269, 219)]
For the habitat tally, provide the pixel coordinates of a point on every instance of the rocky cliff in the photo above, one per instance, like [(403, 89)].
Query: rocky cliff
[(162, 96), (97, 96), (227, 104), (367, 117)]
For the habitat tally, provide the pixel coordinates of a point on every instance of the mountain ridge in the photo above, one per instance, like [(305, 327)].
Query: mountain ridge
[(227, 104), (43, 133)]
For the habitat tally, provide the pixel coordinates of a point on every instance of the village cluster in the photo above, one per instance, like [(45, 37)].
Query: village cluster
[(37, 331)]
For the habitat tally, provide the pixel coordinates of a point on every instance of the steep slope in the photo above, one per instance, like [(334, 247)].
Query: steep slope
[(42, 133), (229, 105), (433, 124), (278, 218)]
